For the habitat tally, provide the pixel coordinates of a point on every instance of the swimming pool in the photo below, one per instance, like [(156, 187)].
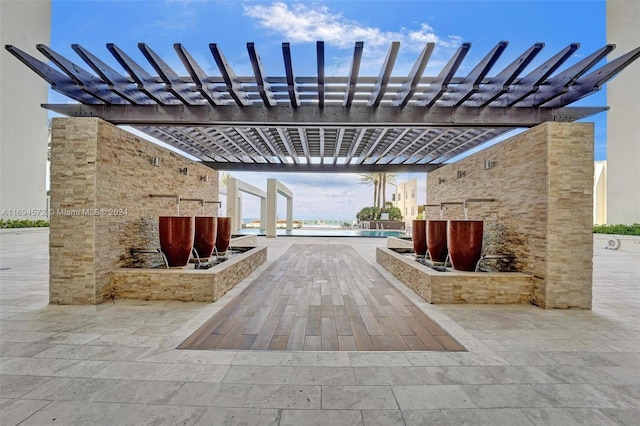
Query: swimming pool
[(327, 232)]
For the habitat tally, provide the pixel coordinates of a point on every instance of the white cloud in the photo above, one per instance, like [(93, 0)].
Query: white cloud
[(303, 24)]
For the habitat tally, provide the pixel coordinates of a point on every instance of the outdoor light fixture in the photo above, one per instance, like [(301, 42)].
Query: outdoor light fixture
[(155, 161), (489, 164), (183, 171)]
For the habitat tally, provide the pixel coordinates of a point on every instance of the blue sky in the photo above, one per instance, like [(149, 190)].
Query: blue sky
[(231, 24)]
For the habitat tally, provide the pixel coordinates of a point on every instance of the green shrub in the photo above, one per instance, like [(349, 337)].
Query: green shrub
[(24, 223), (617, 229)]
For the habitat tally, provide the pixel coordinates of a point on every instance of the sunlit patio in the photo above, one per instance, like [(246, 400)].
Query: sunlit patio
[(117, 362)]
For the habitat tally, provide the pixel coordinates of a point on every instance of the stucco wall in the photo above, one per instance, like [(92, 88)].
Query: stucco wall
[(543, 186), (23, 123), (623, 134), (101, 179)]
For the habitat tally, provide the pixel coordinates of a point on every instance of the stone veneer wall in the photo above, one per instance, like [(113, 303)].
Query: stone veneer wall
[(101, 179), (187, 285), (543, 186), (456, 286)]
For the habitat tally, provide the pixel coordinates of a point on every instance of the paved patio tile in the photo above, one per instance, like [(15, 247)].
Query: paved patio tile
[(239, 416), (257, 375), (621, 416), (578, 396), (567, 416), (262, 358), (325, 359), (211, 395), (467, 416), (538, 366), (119, 353), (13, 349), (321, 418), (69, 389), (431, 397), (358, 397), (370, 359), (137, 392), (15, 411), (390, 375), (206, 357), (21, 365), (70, 352), (101, 413), (283, 396), (323, 376), (17, 386), (505, 396)]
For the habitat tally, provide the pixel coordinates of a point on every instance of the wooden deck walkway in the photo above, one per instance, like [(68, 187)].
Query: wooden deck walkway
[(321, 297)]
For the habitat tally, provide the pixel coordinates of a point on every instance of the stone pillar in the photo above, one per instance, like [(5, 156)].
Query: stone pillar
[(101, 181), (542, 186), (569, 257)]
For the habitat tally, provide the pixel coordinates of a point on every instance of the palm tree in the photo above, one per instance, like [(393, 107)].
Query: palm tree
[(372, 179), (224, 179), (385, 179)]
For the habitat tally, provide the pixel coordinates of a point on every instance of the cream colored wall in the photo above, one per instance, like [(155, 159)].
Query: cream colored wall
[(408, 201), (600, 193), (23, 123), (101, 181), (623, 133), (542, 184)]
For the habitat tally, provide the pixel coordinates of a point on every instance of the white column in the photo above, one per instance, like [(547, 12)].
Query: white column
[(238, 214), (272, 207), (289, 214), (263, 213), (232, 202)]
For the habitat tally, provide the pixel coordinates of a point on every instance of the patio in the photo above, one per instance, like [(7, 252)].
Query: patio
[(117, 363)]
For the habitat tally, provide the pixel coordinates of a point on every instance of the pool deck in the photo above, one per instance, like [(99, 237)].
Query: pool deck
[(117, 363)]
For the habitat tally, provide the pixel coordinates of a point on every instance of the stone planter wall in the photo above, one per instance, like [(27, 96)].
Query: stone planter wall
[(454, 286), (188, 284), (542, 181), (101, 179)]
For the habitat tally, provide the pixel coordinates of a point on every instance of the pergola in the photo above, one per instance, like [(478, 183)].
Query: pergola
[(320, 123)]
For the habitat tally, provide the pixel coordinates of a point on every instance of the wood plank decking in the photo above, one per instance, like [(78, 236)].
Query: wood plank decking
[(319, 297)]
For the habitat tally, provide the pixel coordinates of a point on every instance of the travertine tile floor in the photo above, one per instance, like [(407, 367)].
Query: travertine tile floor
[(116, 363)]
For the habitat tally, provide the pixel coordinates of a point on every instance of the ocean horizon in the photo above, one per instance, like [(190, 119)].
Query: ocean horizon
[(316, 221)]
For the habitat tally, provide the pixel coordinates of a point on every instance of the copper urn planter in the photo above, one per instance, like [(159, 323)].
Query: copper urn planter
[(176, 238), (437, 240), (205, 236), (223, 237), (464, 240), (419, 237)]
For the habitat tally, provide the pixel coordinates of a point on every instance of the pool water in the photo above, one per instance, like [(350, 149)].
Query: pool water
[(333, 232)]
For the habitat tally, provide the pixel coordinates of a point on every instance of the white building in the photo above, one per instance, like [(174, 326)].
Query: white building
[(405, 198), (623, 133), (23, 123), (600, 193)]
